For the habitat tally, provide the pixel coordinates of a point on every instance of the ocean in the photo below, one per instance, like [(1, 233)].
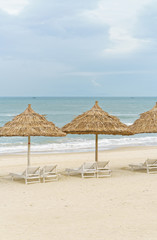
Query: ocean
[(61, 110)]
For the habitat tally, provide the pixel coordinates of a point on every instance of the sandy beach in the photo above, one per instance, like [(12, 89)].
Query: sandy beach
[(122, 206)]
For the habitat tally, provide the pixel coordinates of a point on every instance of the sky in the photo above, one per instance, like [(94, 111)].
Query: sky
[(78, 48)]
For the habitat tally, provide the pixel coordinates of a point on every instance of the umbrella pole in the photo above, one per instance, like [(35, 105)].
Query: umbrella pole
[(28, 154), (96, 147)]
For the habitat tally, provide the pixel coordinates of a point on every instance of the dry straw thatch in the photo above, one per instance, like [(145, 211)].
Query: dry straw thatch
[(147, 123), (96, 121), (29, 123)]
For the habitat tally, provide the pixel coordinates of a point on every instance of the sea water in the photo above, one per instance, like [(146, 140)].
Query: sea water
[(61, 110)]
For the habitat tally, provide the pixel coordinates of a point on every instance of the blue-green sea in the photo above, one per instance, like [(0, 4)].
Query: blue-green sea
[(61, 110)]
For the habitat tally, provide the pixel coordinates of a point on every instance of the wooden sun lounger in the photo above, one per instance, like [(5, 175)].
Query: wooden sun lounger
[(49, 173), (86, 170), (150, 165), (30, 175), (102, 169)]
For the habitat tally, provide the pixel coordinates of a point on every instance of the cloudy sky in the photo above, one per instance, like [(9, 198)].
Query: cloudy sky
[(78, 48)]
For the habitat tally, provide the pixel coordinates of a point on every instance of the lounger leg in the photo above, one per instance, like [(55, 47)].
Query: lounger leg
[(57, 178)]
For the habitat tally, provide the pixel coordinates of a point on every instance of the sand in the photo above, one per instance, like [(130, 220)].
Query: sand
[(122, 206)]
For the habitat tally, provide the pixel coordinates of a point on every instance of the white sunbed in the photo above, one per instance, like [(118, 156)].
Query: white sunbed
[(86, 170), (150, 165), (30, 175), (102, 169), (49, 173)]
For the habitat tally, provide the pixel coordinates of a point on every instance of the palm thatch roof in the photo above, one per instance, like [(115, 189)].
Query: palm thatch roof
[(147, 123), (30, 123), (96, 121)]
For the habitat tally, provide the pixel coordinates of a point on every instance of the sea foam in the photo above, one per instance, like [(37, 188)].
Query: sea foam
[(79, 145)]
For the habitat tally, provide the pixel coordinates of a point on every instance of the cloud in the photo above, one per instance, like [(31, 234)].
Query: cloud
[(13, 7), (121, 42), (121, 18), (95, 83), (63, 43), (95, 74)]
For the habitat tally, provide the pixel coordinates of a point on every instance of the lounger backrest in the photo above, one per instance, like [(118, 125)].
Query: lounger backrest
[(101, 165), (32, 170), (49, 168), (89, 165), (81, 167), (145, 163), (151, 161)]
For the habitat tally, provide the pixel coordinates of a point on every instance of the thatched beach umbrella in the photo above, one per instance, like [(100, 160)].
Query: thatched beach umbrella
[(96, 121), (147, 123), (29, 123)]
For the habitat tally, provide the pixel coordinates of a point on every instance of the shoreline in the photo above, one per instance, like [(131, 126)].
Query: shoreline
[(84, 152), (124, 156)]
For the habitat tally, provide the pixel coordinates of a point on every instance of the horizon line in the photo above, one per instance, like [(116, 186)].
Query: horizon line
[(77, 96)]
